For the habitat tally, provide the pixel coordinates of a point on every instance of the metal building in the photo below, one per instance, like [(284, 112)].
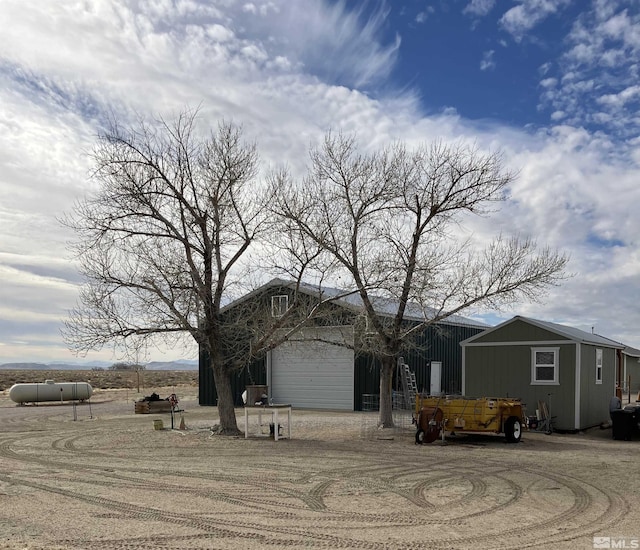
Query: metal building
[(321, 369)]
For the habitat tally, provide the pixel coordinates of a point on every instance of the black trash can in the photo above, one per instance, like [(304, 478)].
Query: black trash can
[(623, 424), (635, 409)]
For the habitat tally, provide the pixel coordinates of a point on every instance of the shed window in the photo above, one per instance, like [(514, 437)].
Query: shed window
[(598, 366), (544, 366), (279, 305)]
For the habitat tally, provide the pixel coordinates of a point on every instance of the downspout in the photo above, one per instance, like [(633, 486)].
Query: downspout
[(577, 389), (464, 369), (268, 368), (619, 381)]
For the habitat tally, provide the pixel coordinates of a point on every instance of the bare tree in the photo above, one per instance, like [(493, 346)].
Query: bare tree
[(161, 245), (384, 223)]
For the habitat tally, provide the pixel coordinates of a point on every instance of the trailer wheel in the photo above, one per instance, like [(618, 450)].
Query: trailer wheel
[(429, 423), (513, 429), (427, 437)]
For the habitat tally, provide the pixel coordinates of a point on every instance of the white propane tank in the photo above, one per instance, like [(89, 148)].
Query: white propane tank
[(50, 391)]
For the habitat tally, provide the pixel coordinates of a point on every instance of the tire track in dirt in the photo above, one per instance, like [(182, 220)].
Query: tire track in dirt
[(307, 499), (212, 528)]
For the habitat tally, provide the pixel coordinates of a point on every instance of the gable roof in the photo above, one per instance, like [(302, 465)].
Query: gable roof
[(350, 299), (573, 334)]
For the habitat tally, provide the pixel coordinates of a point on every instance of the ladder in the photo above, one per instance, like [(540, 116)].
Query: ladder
[(409, 385)]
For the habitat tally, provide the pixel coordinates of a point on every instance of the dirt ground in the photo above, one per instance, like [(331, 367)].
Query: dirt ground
[(96, 475)]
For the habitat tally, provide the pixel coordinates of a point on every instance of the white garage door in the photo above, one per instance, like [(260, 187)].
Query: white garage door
[(310, 372)]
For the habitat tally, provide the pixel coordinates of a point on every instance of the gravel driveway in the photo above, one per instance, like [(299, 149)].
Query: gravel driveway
[(100, 476)]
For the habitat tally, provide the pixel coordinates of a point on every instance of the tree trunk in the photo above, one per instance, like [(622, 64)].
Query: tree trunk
[(385, 419), (226, 409)]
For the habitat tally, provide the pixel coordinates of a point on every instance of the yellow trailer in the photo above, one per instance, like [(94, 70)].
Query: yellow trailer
[(434, 415)]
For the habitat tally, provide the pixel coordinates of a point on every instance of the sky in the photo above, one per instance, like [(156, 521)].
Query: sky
[(552, 84)]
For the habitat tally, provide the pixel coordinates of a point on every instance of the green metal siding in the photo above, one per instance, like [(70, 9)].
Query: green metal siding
[(505, 371), (497, 371), (434, 344), (519, 331), (207, 394), (441, 343), (594, 398), (437, 343), (562, 401), (633, 370)]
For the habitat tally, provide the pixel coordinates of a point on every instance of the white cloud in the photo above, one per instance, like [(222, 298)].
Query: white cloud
[(544, 68), (63, 66), (288, 72), (219, 33), (488, 61), (619, 100), (328, 40), (520, 19), (250, 7), (599, 71), (479, 8), (424, 15), (549, 82)]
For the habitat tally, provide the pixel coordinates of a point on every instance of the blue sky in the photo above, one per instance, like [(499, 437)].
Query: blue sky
[(527, 64), (553, 84), (468, 60)]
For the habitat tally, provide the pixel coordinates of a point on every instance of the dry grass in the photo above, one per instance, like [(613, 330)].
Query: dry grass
[(104, 379)]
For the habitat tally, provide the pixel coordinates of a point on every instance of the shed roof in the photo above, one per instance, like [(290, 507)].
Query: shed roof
[(631, 352), (351, 299), (571, 333)]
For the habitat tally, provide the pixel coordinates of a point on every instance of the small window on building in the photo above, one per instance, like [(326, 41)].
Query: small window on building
[(598, 366), (544, 366), (279, 305)]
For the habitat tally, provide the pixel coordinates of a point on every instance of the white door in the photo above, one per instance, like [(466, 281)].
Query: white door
[(314, 371)]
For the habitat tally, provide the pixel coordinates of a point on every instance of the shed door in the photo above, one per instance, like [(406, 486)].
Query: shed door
[(312, 373)]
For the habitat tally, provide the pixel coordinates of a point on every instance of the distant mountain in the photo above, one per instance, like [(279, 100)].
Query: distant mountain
[(181, 364), (25, 366)]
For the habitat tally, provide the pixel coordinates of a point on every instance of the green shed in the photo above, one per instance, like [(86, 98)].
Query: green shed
[(631, 372), (571, 370)]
